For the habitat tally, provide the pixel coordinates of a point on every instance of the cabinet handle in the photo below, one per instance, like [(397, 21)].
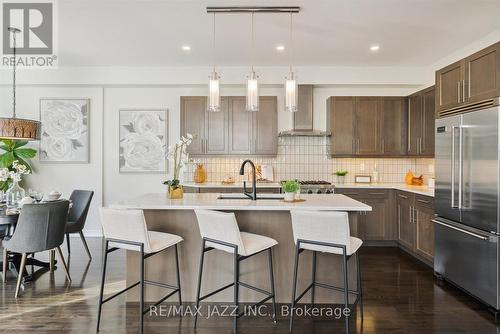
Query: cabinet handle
[(458, 92), (423, 201), (415, 219), (409, 127), (420, 145), (403, 196), (357, 146), (463, 90), (411, 214), (383, 146), (350, 194), (376, 193)]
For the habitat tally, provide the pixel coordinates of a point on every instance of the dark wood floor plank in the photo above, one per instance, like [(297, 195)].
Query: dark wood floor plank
[(401, 296)]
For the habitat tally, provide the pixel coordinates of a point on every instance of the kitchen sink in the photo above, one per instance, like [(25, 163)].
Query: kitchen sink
[(259, 196)]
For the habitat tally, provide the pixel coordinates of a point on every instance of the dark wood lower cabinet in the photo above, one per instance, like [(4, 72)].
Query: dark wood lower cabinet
[(397, 216)]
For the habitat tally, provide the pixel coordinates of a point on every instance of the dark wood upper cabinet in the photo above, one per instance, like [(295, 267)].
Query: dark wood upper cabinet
[(193, 110), (482, 74), (472, 79), (233, 130), (428, 121), (341, 118), (265, 127), (240, 126), (393, 125), (449, 86), (421, 120), (367, 127), (216, 133)]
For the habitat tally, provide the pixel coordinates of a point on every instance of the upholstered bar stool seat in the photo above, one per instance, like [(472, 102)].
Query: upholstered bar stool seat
[(220, 231), (126, 229), (326, 232)]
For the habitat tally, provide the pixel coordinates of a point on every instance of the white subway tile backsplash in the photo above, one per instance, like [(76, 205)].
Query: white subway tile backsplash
[(307, 158)]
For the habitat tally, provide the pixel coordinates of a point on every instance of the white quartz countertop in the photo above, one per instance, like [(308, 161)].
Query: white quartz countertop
[(160, 201), (233, 185), (421, 190)]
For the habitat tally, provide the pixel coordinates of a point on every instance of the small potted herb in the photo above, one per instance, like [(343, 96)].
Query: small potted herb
[(341, 176), (290, 188)]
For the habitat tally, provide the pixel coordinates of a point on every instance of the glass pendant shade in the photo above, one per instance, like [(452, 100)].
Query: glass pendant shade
[(213, 93), (252, 93), (291, 93)]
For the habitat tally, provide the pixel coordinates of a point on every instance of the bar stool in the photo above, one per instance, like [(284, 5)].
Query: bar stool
[(220, 231), (126, 229), (326, 232)]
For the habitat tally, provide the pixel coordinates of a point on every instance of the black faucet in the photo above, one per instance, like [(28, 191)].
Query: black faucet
[(252, 195)]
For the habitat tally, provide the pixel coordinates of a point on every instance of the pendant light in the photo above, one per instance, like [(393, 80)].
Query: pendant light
[(290, 80), (252, 83), (17, 128), (213, 83)]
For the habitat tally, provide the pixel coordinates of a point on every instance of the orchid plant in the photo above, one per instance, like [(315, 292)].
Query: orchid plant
[(16, 174), (178, 155)]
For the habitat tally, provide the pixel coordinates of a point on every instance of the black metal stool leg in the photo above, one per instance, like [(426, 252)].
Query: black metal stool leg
[(271, 277), (141, 301), (294, 288), (67, 243), (236, 289), (199, 283), (313, 276), (99, 309), (178, 275), (360, 289), (346, 291)]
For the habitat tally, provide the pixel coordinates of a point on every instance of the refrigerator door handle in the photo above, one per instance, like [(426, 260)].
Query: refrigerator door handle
[(453, 166), (460, 167), (482, 237)]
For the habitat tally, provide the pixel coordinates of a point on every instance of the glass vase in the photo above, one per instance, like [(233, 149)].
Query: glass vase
[(14, 194), (200, 174)]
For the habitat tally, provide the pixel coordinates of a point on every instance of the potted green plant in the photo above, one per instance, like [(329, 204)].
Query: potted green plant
[(290, 188), (14, 164), (341, 176), (179, 157)]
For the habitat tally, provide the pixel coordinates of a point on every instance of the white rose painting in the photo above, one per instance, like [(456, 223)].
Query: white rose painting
[(65, 130), (142, 141)]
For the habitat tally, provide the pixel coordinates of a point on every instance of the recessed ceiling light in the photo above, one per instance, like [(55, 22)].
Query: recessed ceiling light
[(186, 48), (374, 47), (280, 48)]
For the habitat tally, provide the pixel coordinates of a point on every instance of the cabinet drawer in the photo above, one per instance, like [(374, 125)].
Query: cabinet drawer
[(424, 201), (363, 193)]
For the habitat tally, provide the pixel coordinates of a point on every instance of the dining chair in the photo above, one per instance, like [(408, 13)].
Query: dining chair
[(40, 228), (80, 200)]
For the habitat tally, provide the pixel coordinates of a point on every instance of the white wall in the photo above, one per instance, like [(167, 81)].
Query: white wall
[(64, 177)]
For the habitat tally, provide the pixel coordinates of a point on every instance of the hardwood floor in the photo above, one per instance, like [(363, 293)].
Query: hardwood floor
[(400, 294)]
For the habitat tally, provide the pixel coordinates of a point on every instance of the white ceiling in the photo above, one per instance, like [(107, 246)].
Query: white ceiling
[(329, 32)]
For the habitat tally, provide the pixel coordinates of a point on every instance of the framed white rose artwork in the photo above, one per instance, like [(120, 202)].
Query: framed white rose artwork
[(65, 130), (143, 139)]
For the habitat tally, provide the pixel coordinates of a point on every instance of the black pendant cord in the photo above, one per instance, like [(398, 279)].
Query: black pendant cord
[(14, 78)]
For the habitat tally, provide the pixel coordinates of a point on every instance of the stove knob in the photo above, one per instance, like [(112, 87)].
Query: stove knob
[(309, 191), (319, 192), (328, 191)]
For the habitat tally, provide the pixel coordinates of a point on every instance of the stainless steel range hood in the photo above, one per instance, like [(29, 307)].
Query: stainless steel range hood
[(303, 118)]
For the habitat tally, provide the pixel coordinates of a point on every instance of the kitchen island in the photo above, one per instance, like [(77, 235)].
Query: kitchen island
[(269, 217)]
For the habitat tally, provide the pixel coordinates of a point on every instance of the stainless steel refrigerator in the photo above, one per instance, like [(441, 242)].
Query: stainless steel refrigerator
[(466, 199)]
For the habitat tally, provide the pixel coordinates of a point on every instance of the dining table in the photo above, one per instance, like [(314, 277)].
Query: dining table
[(8, 222)]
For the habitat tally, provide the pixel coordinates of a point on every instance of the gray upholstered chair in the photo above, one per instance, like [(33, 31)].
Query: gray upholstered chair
[(40, 228), (77, 215)]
